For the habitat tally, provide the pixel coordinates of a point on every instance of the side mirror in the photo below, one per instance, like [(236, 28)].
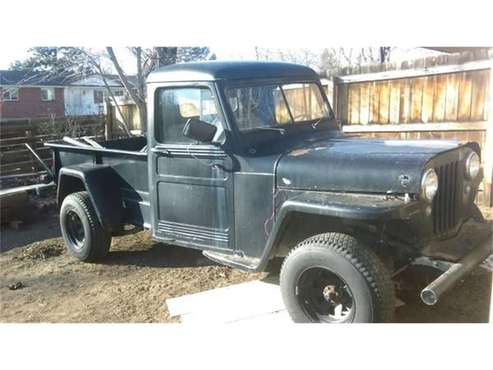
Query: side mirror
[(199, 130)]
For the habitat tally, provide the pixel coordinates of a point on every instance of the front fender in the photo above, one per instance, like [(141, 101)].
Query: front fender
[(103, 188), (357, 207)]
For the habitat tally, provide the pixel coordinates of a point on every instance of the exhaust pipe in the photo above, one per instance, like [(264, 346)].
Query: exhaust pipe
[(432, 293)]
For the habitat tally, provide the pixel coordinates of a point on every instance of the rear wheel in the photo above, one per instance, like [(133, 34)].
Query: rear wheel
[(332, 278), (82, 232)]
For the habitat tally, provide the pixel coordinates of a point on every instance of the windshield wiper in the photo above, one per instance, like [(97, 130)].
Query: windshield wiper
[(315, 124)]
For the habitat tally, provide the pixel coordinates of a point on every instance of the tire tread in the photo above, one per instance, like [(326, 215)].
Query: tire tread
[(367, 263), (100, 237)]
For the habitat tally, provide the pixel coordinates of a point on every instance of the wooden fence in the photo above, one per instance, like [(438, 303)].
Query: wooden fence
[(16, 160), (433, 98), (126, 112)]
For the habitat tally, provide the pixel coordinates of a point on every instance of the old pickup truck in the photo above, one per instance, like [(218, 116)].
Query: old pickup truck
[(246, 162)]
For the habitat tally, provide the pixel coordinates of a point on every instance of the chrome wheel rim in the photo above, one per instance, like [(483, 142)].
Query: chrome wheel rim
[(75, 229)]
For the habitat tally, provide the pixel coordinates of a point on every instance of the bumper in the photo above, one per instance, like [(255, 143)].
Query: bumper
[(476, 252)]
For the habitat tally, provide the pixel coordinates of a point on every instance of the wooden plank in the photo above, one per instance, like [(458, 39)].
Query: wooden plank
[(234, 303), (364, 104), (479, 95), (343, 101), (420, 127), (16, 171), (383, 112), (405, 101), (23, 139), (465, 96), (452, 96), (7, 148), (374, 103), (23, 155), (416, 99), (23, 175), (415, 72), (19, 151), (439, 99), (7, 167), (353, 104), (22, 189), (395, 100), (428, 95)]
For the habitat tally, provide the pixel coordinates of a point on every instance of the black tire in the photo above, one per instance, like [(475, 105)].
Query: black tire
[(84, 236), (358, 279)]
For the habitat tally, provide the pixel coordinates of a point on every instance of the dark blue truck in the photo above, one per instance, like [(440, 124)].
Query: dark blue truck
[(246, 162)]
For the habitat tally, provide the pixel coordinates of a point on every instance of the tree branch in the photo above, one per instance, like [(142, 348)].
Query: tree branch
[(123, 77), (96, 64)]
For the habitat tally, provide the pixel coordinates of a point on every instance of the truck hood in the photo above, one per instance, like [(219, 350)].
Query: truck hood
[(359, 165)]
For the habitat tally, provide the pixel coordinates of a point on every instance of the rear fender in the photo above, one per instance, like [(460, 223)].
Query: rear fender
[(102, 185)]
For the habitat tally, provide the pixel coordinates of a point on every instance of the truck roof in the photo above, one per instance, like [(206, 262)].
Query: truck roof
[(230, 70)]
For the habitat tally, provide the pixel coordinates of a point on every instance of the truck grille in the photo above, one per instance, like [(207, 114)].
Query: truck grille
[(446, 211)]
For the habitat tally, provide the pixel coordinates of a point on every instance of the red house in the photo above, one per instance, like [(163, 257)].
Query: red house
[(24, 95)]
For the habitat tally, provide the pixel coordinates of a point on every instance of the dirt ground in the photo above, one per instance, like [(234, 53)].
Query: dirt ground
[(40, 282)]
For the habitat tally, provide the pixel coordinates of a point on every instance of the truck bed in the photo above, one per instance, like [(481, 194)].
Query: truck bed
[(128, 159)]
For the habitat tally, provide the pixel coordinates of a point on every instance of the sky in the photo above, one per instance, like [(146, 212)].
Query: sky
[(10, 53)]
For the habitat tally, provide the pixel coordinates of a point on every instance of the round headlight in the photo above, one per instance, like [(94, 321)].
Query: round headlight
[(472, 166), (429, 185)]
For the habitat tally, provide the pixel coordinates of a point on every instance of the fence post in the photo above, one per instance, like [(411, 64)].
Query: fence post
[(488, 148), (29, 138), (488, 162), (108, 127)]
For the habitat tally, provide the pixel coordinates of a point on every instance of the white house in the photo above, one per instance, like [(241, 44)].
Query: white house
[(86, 96)]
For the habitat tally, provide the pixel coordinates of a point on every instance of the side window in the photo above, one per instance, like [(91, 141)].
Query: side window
[(9, 94), (47, 94), (98, 97), (175, 106)]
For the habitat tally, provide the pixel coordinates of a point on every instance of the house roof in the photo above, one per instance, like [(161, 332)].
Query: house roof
[(20, 78), (30, 78), (451, 50), (217, 70)]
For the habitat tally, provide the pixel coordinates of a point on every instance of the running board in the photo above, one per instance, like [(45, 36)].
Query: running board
[(235, 261)]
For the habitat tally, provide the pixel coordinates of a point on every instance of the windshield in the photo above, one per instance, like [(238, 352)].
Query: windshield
[(263, 106)]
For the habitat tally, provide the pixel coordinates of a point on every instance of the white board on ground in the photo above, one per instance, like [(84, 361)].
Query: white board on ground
[(255, 301)]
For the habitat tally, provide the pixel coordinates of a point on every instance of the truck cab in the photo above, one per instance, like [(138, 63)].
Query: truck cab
[(216, 192), (246, 162)]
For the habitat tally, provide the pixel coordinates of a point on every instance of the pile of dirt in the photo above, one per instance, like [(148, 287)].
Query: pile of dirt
[(40, 250), (41, 282)]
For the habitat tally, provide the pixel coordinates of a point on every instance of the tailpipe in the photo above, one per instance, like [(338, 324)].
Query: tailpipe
[(432, 293)]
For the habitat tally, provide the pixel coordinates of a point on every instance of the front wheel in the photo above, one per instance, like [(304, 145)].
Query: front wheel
[(332, 278), (82, 232)]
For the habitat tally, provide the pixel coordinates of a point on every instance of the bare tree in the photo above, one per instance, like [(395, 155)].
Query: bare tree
[(149, 59), (95, 61), (137, 95), (326, 60)]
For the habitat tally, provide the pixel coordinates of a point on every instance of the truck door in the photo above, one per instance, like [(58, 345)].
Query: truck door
[(192, 189)]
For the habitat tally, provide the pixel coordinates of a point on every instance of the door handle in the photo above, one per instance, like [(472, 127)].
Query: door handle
[(160, 150)]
